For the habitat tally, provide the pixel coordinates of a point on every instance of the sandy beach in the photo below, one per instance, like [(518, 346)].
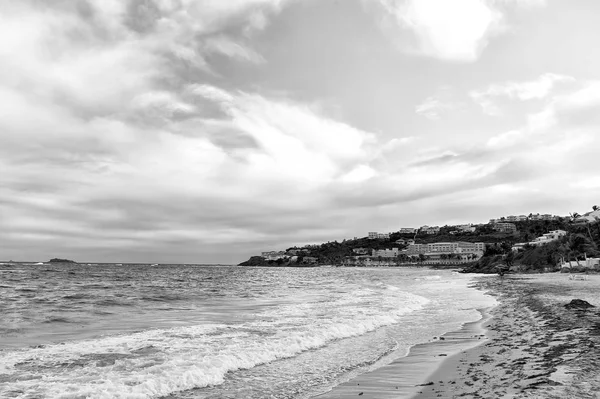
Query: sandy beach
[(536, 347), (528, 346)]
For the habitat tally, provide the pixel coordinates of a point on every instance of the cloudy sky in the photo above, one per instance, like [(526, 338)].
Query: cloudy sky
[(210, 130)]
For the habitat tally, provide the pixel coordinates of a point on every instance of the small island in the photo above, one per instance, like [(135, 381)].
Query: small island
[(58, 260)]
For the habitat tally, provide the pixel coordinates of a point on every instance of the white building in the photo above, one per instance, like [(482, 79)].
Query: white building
[(549, 237), (588, 263), (407, 230), (373, 235), (456, 247), (544, 239), (273, 255), (466, 228), (430, 230), (386, 253)]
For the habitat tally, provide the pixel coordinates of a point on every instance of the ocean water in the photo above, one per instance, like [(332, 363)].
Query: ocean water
[(181, 331)]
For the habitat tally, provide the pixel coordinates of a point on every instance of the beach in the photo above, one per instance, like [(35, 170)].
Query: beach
[(535, 347)]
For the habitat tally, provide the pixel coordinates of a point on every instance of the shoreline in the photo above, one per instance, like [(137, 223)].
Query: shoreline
[(537, 348), (527, 346), (403, 377)]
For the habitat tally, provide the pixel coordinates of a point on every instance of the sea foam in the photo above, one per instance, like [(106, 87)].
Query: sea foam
[(159, 362)]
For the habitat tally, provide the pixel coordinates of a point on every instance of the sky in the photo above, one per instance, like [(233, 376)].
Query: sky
[(206, 131)]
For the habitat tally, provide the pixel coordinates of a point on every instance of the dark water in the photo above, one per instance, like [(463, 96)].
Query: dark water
[(108, 331)]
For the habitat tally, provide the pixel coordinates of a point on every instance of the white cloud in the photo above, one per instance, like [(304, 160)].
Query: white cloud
[(435, 106), (450, 30), (505, 139), (455, 30), (537, 89)]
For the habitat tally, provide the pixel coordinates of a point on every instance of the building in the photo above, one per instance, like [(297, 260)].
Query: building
[(447, 252), (493, 221), (430, 230), (273, 255), (407, 230), (415, 249), (590, 217), (548, 237), (588, 263), (456, 247), (544, 239), (310, 260), (373, 235), (361, 251), (465, 228), (385, 253), (505, 227)]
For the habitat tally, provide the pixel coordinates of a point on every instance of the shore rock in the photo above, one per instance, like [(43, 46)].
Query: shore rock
[(578, 304)]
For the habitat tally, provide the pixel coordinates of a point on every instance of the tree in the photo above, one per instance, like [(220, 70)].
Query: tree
[(579, 245), (509, 259), (595, 208)]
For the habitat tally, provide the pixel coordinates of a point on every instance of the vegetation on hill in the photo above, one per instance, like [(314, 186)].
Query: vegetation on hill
[(582, 239)]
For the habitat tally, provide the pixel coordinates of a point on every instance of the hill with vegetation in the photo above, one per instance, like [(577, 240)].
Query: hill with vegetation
[(583, 239)]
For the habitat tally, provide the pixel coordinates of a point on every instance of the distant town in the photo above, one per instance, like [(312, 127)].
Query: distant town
[(435, 245)]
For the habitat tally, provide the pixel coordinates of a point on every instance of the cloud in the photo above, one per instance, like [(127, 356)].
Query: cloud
[(120, 139), (434, 107), (448, 30), (537, 89)]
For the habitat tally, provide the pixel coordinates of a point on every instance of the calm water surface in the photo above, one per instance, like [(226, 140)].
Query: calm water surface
[(180, 331)]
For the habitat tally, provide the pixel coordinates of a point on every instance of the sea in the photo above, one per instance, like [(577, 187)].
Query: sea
[(198, 331)]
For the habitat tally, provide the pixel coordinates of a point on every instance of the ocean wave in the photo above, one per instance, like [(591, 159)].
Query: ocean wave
[(160, 362), (57, 319)]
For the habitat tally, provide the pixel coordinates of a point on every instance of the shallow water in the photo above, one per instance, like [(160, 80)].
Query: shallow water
[(180, 331)]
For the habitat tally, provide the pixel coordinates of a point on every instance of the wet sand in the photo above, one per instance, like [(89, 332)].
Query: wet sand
[(401, 377), (537, 348)]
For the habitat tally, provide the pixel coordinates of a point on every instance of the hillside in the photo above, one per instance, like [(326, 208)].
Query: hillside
[(582, 240), (498, 245)]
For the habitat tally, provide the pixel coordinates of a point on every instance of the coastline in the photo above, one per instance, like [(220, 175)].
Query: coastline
[(537, 348), (403, 377), (527, 346)]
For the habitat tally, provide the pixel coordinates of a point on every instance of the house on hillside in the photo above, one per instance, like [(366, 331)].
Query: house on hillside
[(273, 255), (544, 239), (361, 251), (548, 237), (455, 247), (588, 263), (505, 227), (465, 228), (385, 253), (589, 217), (407, 230), (430, 230), (373, 235)]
